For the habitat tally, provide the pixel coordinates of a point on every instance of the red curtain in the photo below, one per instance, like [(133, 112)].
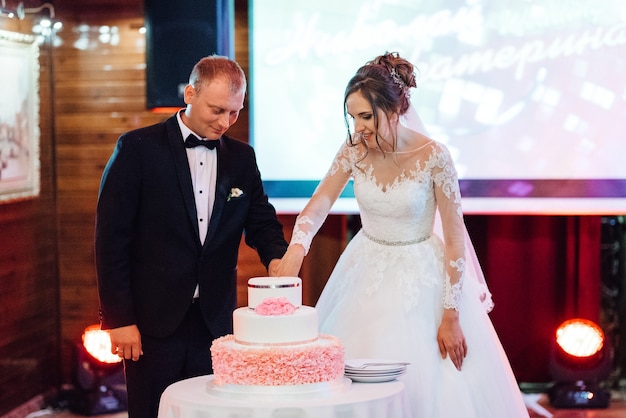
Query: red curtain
[(541, 271)]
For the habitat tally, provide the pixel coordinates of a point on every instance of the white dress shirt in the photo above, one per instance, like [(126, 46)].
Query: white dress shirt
[(203, 168)]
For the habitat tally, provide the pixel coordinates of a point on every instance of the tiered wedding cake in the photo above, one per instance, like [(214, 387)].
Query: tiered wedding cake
[(275, 340)]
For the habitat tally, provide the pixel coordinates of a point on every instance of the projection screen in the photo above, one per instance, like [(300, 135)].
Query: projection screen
[(529, 96)]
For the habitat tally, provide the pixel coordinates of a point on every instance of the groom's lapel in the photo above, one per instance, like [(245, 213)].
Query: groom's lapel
[(182, 170)]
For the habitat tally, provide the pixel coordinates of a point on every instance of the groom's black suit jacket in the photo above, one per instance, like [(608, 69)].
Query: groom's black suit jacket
[(149, 255)]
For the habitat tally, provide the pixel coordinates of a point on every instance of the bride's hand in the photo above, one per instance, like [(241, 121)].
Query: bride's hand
[(451, 339), (291, 262)]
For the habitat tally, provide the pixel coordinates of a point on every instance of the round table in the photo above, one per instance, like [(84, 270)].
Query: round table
[(198, 398)]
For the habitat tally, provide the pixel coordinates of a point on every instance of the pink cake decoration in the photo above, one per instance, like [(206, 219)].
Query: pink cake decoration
[(275, 306), (275, 366)]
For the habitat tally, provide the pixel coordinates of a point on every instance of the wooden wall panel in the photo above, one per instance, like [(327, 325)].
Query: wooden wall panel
[(29, 308)]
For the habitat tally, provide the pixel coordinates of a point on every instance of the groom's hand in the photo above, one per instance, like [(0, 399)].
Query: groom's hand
[(126, 342)]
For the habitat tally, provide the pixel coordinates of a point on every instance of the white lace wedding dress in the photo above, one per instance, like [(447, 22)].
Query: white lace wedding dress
[(386, 295)]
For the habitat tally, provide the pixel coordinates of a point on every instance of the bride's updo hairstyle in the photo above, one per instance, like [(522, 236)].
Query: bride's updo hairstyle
[(385, 82)]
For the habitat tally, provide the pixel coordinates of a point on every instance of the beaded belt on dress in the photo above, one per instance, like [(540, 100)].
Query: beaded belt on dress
[(394, 243)]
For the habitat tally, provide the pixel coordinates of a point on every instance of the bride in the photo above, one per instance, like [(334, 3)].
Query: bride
[(408, 285)]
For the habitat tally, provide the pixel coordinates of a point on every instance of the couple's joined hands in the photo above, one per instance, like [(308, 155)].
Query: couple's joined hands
[(290, 264)]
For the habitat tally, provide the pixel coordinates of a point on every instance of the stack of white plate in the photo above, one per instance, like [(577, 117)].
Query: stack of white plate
[(374, 370)]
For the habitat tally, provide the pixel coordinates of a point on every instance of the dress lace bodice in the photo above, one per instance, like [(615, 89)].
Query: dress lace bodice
[(398, 197), (401, 212)]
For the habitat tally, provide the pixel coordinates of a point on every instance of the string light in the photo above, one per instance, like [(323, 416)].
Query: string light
[(45, 27)]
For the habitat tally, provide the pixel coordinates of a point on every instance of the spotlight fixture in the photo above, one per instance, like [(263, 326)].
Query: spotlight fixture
[(100, 387), (580, 360)]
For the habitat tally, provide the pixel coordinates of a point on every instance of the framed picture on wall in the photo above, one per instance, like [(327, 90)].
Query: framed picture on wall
[(19, 116)]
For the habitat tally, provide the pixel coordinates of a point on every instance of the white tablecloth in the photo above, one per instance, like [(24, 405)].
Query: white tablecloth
[(197, 398)]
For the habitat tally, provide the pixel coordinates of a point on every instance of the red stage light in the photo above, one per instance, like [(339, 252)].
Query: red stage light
[(580, 338), (98, 344), (100, 387), (580, 360)]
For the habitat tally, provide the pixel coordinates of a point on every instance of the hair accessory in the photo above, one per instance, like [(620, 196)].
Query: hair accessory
[(397, 79), (401, 84)]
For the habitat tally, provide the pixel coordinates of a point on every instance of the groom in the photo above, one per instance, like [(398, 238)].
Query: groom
[(174, 201)]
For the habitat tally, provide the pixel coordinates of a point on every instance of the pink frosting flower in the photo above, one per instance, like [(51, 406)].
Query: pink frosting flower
[(275, 306)]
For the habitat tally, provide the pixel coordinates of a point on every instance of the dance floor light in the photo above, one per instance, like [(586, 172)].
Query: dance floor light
[(98, 344), (100, 387), (581, 359)]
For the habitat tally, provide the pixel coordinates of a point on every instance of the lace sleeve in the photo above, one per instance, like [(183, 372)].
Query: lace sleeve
[(328, 190), (448, 197)]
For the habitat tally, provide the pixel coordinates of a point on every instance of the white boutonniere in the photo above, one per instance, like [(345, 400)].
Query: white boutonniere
[(235, 192)]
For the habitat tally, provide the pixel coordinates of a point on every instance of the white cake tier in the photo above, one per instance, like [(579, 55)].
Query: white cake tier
[(251, 328), (261, 288)]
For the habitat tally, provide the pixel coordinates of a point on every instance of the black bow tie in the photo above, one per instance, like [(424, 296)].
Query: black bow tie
[(193, 141)]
